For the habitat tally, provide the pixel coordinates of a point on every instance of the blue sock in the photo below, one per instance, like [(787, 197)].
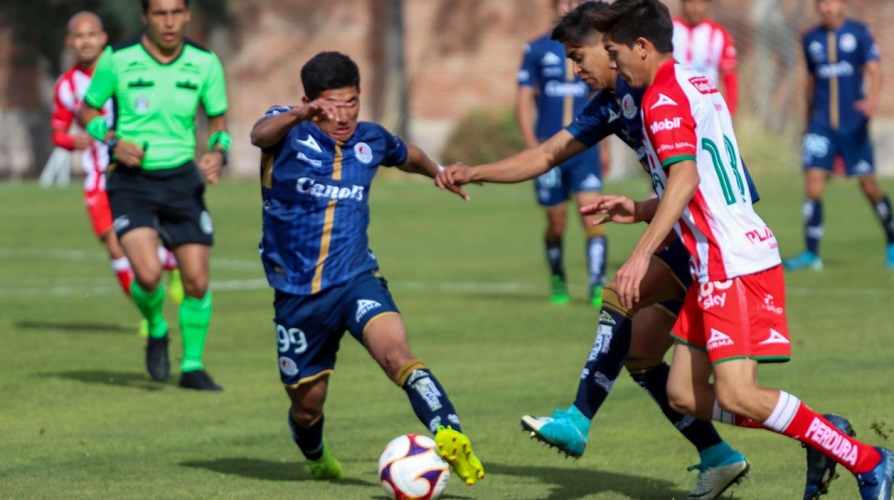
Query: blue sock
[(813, 224), (430, 401), (605, 361), (310, 440), (883, 212), (597, 249), (700, 433), (554, 258)]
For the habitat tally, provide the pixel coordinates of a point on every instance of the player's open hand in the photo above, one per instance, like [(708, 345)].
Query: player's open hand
[(619, 209), (629, 277), (128, 154), (211, 165), (318, 109), (454, 176)]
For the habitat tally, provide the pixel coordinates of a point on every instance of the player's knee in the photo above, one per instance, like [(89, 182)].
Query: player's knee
[(305, 416), (594, 231), (639, 365)]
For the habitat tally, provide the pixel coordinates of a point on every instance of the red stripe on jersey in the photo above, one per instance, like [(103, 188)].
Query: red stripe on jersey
[(702, 216)]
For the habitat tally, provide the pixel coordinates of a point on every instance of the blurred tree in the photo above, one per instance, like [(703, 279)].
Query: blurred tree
[(390, 87)]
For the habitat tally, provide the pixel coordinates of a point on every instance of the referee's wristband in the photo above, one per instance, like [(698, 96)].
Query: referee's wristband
[(98, 128), (220, 138)]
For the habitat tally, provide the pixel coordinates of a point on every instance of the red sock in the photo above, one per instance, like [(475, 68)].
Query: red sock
[(168, 261), (796, 420), (124, 273)]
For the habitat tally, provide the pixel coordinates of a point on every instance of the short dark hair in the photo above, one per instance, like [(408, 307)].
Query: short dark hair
[(145, 4), (627, 20), (575, 27), (326, 71)]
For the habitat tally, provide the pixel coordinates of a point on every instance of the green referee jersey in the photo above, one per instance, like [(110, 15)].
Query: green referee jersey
[(156, 103)]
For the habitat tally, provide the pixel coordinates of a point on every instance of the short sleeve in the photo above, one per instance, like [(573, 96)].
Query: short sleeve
[(728, 58), (868, 46), (670, 126), (396, 152), (599, 119), (214, 95), (528, 72), (104, 82), (811, 66)]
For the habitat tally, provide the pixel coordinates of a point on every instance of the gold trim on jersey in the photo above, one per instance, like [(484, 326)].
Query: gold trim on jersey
[(328, 221), (309, 379), (267, 169), (832, 42), (568, 103)]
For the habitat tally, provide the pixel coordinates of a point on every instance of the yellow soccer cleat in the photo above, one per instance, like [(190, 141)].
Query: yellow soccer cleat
[(455, 448), (326, 467), (175, 287), (143, 331)]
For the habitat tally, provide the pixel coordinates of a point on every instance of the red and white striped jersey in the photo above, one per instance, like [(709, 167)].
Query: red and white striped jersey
[(67, 96), (686, 118), (706, 47)]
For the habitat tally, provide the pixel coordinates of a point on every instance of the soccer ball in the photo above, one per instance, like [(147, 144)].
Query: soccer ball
[(410, 468)]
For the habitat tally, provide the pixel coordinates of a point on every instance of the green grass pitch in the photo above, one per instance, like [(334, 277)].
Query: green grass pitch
[(79, 417)]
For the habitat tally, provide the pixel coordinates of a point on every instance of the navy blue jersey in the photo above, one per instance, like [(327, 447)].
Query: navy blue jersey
[(618, 112), (835, 59), (316, 204), (560, 94)]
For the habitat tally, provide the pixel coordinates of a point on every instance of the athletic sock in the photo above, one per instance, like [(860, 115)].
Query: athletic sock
[(124, 272), (195, 316), (700, 433), (883, 212), (429, 401), (605, 361), (597, 249), (554, 258), (309, 440), (150, 305), (168, 261), (813, 224)]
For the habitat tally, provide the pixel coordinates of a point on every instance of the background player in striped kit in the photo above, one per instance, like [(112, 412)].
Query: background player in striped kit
[(87, 39), (550, 96)]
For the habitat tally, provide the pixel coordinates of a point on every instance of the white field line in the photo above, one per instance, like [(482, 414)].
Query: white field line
[(60, 288)]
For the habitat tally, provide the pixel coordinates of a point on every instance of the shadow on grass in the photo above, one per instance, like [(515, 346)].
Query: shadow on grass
[(266, 470), (570, 484), (76, 327), (136, 380)]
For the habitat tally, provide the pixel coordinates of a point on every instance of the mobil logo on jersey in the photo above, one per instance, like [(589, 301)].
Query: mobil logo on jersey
[(703, 84), (762, 235), (713, 293), (666, 124)]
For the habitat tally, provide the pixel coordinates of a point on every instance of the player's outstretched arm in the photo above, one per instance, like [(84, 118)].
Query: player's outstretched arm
[(620, 209), (418, 162), (270, 129)]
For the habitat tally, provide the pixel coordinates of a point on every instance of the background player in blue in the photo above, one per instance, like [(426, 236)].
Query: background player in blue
[(317, 164), (639, 344), (839, 52), (549, 97)]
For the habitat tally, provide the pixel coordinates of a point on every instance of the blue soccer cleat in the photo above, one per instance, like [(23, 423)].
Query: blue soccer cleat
[(820, 468), (804, 260), (890, 256), (876, 484), (565, 429)]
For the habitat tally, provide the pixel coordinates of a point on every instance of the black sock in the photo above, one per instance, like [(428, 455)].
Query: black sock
[(310, 440), (605, 361), (882, 210), (700, 433), (554, 258), (430, 401), (813, 224)]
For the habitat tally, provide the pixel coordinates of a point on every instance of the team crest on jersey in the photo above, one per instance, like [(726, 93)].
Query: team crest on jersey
[(287, 366), (141, 103), (663, 100), (628, 106), (817, 53), (847, 42), (363, 152), (364, 306)]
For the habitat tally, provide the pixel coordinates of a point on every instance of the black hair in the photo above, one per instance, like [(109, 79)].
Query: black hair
[(145, 4), (627, 20), (575, 27), (326, 71)]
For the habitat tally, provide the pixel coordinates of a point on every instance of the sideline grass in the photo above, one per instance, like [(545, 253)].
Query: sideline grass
[(79, 418)]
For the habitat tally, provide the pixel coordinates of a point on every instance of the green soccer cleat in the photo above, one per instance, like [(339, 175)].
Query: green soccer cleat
[(326, 467), (596, 297), (713, 481), (175, 287), (455, 448), (560, 291)]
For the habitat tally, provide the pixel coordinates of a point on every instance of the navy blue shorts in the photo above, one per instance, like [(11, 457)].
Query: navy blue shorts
[(822, 145), (580, 173), (309, 328), (676, 257)]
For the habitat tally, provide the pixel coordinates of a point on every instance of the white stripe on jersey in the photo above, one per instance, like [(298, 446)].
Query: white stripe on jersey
[(703, 47), (684, 115), (70, 90)]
